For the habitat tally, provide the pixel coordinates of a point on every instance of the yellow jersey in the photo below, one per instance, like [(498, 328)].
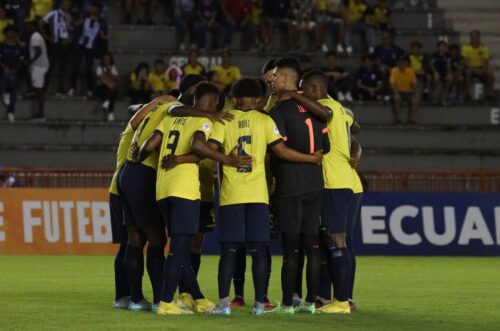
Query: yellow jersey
[(270, 102), (475, 56), (417, 62), (121, 154), (40, 8), (158, 82), (355, 11), (207, 180), (357, 186), (183, 181), (228, 75), (197, 69), (146, 129), (254, 132), (171, 84), (403, 81), (337, 172), (257, 15), (3, 24)]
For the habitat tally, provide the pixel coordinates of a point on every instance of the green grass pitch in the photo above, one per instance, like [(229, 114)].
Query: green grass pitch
[(392, 293)]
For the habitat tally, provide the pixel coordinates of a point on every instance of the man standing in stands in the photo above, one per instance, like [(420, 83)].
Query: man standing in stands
[(38, 66)]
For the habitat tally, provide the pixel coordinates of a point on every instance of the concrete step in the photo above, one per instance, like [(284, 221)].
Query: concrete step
[(467, 5)]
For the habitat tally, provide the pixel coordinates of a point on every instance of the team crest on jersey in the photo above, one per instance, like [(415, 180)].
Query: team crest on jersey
[(276, 131), (206, 127)]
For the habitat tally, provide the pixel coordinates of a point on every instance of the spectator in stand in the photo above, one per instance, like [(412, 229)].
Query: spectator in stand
[(158, 79), (174, 77), (334, 23), (93, 33), (339, 79), (356, 14), (193, 67), (59, 42), (107, 84), (368, 81), (320, 16), (303, 21), (134, 6), (184, 21), (380, 17), (227, 72), (305, 63), (404, 84), (4, 22), (11, 59), (277, 16), (38, 66), (387, 55), (207, 12), (214, 77), (39, 8), (263, 38), (140, 89), (441, 72), (477, 64), (419, 62), (238, 14), (457, 73)]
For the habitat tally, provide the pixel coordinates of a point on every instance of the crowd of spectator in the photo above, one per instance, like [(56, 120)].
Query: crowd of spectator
[(51, 45)]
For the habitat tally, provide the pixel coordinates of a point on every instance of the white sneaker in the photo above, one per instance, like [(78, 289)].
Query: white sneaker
[(105, 105), (349, 50), (6, 99), (182, 47), (340, 49), (340, 96), (71, 92), (348, 96), (10, 117), (142, 305), (371, 50), (90, 95), (111, 117), (324, 48)]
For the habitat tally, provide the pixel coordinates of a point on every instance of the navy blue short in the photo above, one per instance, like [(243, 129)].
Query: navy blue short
[(244, 222), (353, 216), (118, 229), (137, 189), (334, 209), (180, 216), (298, 214), (207, 219)]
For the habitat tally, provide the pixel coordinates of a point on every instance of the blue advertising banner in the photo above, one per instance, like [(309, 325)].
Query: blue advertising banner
[(399, 223)]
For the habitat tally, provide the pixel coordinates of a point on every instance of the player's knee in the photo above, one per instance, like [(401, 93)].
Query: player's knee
[(135, 237)]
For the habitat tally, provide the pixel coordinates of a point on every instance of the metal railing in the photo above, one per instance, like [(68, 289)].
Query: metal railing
[(382, 181)]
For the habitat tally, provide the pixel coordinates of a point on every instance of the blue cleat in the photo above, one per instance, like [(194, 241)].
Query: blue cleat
[(142, 305), (226, 311), (257, 311), (154, 307), (121, 303)]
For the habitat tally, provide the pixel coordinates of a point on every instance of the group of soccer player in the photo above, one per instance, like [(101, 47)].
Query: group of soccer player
[(286, 156)]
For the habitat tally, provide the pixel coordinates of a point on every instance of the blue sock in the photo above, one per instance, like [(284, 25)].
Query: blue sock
[(258, 250), (172, 267), (154, 264), (134, 266), (121, 281), (339, 269)]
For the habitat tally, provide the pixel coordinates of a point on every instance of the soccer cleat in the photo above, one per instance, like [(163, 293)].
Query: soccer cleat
[(268, 304), (296, 301), (186, 301), (203, 305), (238, 302), (141, 305), (280, 309), (218, 310), (154, 307), (121, 303), (165, 308), (306, 308), (335, 307), (352, 305), (257, 311)]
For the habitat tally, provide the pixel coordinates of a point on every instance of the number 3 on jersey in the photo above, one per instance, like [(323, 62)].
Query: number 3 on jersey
[(242, 141), (173, 140)]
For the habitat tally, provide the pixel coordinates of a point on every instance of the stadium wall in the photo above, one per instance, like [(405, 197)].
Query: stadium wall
[(77, 221)]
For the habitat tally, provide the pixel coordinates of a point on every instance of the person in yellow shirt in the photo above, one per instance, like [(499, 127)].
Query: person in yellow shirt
[(178, 190), (356, 15), (118, 229), (477, 64), (403, 83), (244, 197), (4, 22), (158, 78), (174, 76), (227, 72), (193, 66), (339, 184), (420, 64), (40, 8)]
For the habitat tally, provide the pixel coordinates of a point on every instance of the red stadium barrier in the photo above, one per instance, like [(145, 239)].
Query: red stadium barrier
[(375, 181)]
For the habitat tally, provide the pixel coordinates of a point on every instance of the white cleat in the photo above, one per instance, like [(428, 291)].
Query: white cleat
[(142, 305), (122, 303)]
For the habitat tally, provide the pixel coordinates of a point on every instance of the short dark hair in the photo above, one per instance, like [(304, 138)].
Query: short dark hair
[(331, 53), (269, 65), (9, 28), (368, 57), (159, 61), (204, 88), (441, 42), (246, 88), (315, 74), (191, 51), (454, 47), (416, 43), (226, 52), (304, 58), (190, 80), (403, 58), (289, 63), (96, 4)]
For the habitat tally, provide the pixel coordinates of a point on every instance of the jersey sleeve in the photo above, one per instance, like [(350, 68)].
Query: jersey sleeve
[(205, 126), (273, 135), (278, 117), (218, 134), (486, 53)]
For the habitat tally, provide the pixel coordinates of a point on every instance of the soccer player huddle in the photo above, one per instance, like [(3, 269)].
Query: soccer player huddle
[(286, 156)]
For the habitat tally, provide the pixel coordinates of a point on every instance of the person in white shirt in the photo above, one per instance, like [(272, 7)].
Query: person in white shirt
[(107, 84), (38, 66)]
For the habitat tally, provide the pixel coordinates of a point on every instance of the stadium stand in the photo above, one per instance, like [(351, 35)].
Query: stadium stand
[(76, 135)]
